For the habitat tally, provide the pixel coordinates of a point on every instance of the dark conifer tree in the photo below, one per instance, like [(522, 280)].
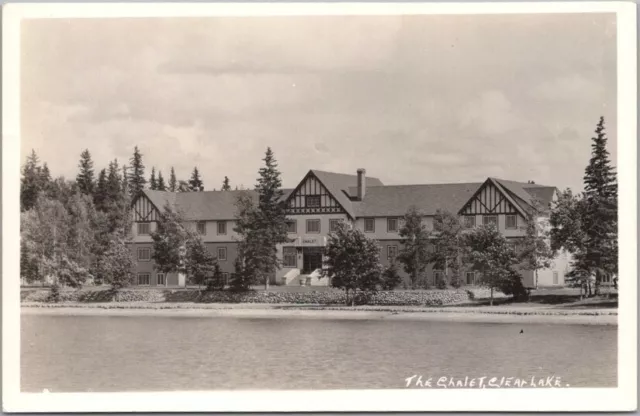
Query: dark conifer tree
[(195, 183), (100, 197), (31, 182), (136, 175), (85, 178), (114, 183), (160, 184), (600, 211), (153, 184), (173, 182), (225, 184)]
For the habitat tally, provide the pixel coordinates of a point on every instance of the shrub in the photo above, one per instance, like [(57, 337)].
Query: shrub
[(390, 277), (54, 295)]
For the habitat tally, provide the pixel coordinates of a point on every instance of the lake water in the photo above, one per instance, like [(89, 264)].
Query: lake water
[(111, 353)]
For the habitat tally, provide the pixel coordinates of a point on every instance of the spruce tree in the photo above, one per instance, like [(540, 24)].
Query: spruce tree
[(160, 184), (271, 222), (101, 194), (225, 184), (195, 183), (136, 176), (600, 218), (31, 182), (85, 178), (173, 182), (114, 185), (153, 184)]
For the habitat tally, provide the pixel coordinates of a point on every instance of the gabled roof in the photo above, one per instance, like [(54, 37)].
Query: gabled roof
[(395, 200), (529, 192), (201, 206), (338, 185)]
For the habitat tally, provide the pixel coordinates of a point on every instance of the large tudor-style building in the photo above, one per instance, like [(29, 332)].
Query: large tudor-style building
[(321, 199)]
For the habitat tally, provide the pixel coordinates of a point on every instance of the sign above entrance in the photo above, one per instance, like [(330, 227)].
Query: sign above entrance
[(310, 241)]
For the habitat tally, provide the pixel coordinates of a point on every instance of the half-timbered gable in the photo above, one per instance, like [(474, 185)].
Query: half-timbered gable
[(491, 199), (311, 196), (144, 210)]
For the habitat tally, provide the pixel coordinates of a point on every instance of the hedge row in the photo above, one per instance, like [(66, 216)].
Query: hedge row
[(385, 298)]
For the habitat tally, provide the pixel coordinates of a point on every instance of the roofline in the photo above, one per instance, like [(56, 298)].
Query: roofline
[(323, 184)]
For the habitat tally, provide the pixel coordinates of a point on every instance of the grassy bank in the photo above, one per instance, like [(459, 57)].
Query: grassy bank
[(309, 297)]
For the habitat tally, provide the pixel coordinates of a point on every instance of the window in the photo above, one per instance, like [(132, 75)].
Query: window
[(144, 254), (469, 221), (222, 227), (143, 279), (555, 278), (392, 225), (333, 224), (313, 226), (225, 278), (470, 277), (161, 280), (144, 228), (511, 222), (201, 227), (289, 258), (392, 252), (222, 253), (490, 220), (438, 276), (313, 201), (369, 225), (292, 226)]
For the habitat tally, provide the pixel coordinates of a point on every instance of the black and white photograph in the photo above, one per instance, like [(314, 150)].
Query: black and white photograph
[(272, 206)]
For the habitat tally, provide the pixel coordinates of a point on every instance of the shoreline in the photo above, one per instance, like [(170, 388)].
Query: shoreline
[(496, 314)]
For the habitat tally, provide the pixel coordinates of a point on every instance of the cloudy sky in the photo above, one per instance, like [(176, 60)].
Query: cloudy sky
[(420, 99)]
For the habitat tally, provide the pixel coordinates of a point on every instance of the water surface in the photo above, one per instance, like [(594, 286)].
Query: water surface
[(150, 353)]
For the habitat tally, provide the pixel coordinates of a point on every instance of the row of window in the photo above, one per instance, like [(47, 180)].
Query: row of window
[(144, 279), (144, 228), (313, 226), (144, 254)]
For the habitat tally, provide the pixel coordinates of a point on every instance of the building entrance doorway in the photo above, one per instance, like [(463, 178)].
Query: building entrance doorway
[(311, 259)]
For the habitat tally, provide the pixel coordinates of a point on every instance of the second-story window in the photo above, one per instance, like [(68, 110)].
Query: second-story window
[(222, 227), (201, 226), (490, 220), (292, 226), (511, 222), (392, 225), (144, 228), (369, 225), (333, 224), (313, 226), (313, 201)]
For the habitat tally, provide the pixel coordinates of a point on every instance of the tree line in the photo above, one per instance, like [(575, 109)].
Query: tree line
[(75, 229)]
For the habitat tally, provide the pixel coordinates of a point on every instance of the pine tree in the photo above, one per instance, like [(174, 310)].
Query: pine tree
[(85, 179), (533, 250), (600, 218), (125, 179), (114, 183), (271, 222), (195, 183), (414, 254), (153, 184), (225, 184), (173, 182), (101, 196), (30, 184), (136, 176), (45, 179), (160, 184), (199, 263)]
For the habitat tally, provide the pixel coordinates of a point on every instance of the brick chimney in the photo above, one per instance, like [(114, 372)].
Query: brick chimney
[(362, 183)]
